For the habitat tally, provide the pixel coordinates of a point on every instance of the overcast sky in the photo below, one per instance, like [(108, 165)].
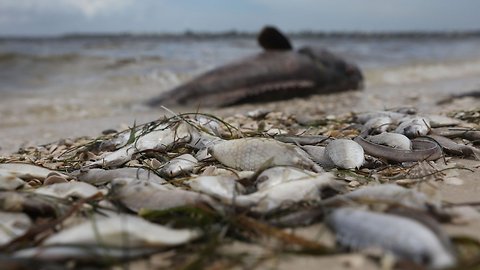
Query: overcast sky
[(52, 17)]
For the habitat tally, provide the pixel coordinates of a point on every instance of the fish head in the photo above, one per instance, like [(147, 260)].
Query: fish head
[(340, 72)]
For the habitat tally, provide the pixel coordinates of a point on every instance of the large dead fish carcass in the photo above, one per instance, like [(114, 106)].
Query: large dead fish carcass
[(278, 73)]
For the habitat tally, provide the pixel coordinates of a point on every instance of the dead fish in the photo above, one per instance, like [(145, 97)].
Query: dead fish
[(280, 174), (442, 121), (379, 124), (100, 176), (285, 194), (405, 238), (251, 154), (317, 154), (12, 225), (454, 148), (389, 194), (135, 231), (68, 190), (363, 118), (345, 154), (27, 171), (414, 126), (153, 140), (9, 181), (465, 133), (30, 203), (224, 188), (278, 73), (181, 165), (137, 195), (394, 140)]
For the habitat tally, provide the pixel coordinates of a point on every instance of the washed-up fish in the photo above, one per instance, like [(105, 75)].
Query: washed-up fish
[(224, 188), (387, 194), (413, 126), (394, 140), (68, 190), (137, 195), (289, 193), (9, 181), (27, 202), (278, 73), (27, 171), (345, 154), (100, 176), (454, 148), (153, 140), (281, 174), (251, 154), (405, 238), (181, 165), (363, 118)]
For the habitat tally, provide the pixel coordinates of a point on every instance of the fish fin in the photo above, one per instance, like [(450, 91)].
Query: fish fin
[(270, 38)]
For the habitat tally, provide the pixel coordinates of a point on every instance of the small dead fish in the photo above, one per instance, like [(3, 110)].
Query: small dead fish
[(454, 148), (389, 194), (251, 154), (405, 238), (153, 140), (345, 154), (27, 171), (100, 176), (68, 190), (137, 195), (442, 121), (29, 203), (380, 124), (317, 154), (413, 126), (288, 193), (363, 118), (394, 140), (122, 230), (9, 181), (280, 174), (181, 165), (225, 188)]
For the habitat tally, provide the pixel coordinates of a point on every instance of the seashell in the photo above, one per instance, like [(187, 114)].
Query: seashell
[(380, 124), (137, 195), (288, 193), (13, 225), (125, 231), (252, 153), (345, 154), (413, 126), (8, 180), (101, 176), (68, 190), (405, 238), (181, 165), (395, 140), (27, 171)]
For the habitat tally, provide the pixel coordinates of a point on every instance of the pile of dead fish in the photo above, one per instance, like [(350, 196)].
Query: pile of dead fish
[(90, 198)]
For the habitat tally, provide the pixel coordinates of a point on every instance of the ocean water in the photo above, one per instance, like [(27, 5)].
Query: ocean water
[(90, 76)]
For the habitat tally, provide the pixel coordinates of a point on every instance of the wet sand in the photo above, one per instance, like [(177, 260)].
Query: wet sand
[(37, 126)]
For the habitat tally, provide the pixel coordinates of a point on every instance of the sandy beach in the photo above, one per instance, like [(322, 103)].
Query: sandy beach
[(40, 117)]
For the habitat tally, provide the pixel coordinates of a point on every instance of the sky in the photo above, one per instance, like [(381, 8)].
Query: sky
[(56, 17)]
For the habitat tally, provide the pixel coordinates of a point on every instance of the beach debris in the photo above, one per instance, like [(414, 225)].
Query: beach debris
[(405, 238), (345, 154), (252, 153), (233, 178)]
